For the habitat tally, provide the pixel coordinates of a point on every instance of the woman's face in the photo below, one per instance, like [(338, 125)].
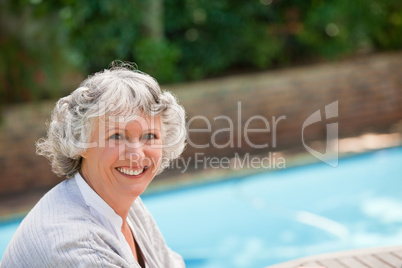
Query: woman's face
[(124, 159)]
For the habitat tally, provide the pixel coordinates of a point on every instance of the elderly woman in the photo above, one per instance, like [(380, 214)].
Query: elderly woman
[(109, 139)]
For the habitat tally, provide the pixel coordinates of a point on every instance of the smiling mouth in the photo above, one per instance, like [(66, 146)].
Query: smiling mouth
[(131, 172)]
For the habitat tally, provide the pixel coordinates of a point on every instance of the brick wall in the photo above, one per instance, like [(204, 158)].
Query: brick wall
[(368, 91), (20, 168)]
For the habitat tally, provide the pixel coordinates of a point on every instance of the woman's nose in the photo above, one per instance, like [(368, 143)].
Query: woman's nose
[(134, 151)]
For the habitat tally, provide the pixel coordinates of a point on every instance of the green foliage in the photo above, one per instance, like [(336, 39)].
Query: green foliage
[(157, 58), (215, 35), (201, 37), (99, 32), (386, 27), (28, 65)]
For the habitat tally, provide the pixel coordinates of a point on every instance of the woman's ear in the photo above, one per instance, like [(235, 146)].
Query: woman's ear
[(84, 154)]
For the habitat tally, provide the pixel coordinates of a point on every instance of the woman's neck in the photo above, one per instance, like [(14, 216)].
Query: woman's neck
[(120, 204)]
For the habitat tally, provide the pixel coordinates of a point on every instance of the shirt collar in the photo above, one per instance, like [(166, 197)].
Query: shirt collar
[(95, 202)]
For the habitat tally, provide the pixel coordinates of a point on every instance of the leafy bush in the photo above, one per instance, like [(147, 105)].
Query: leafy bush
[(200, 38), (29, 68)]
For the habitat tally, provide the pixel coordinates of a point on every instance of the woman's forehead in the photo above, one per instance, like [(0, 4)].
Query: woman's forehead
[(142, 121)]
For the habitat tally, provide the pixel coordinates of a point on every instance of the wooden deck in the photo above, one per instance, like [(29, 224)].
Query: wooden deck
[(390, 257)]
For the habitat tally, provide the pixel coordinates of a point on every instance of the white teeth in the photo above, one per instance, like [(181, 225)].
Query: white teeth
[(131, 172)]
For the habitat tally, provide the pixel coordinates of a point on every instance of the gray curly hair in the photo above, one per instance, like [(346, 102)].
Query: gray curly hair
[(119, 91)]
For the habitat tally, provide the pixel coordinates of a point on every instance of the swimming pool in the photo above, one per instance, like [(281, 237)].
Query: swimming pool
[(271, 217), (267, 218)]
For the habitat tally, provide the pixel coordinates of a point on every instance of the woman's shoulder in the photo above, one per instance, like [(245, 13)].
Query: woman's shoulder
[(69, 243), (61, 208), (57, 212), (60, 203), (59, 225)]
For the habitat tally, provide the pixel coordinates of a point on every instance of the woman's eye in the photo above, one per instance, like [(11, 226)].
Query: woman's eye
[(116, 136), (149, 136)]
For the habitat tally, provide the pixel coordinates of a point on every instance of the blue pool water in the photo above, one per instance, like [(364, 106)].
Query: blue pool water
[(272, 217), (7, 230)]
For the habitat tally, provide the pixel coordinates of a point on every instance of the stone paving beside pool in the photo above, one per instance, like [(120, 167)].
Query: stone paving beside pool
[(387, 257)]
